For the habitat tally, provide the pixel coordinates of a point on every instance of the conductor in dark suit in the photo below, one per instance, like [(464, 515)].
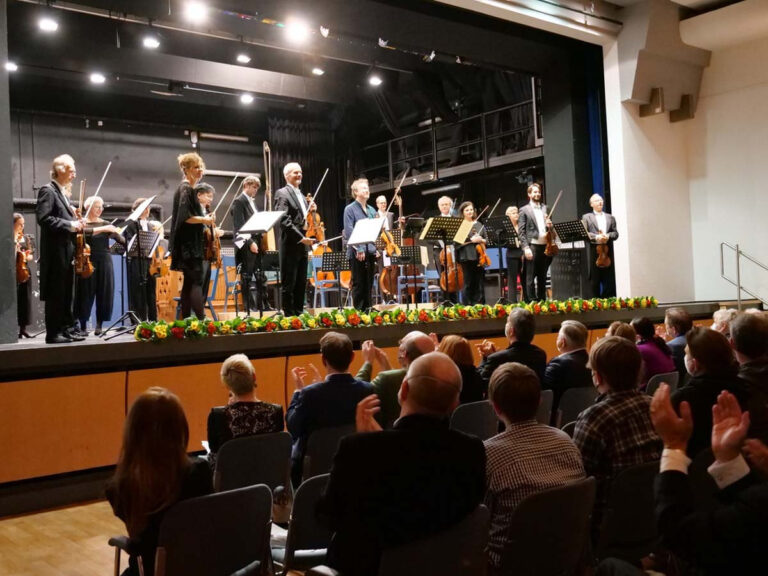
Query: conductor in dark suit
[(601, 228), (391, 487), (58, 225), (293, 243), (519, 330), (247, 255), (533, 226)]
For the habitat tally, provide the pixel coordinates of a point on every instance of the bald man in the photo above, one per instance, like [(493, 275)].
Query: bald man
[(396, 486)]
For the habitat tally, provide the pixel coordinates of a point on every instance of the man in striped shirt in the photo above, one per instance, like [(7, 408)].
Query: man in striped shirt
[(526, 458)]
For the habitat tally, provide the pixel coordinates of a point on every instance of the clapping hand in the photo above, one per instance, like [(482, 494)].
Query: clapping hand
[(729, 427), (364, 414), (757, 454), (368, 350), (674, 430), (300, 375), (486, 348)]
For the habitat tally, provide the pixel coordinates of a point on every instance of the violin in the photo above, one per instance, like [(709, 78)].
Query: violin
[(388, 277), (483, 260), (22, 268), (159, 266), (83, 265), (212, 243), (603, 254)]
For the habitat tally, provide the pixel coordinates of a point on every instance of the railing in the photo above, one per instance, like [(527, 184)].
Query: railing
[(737, 281)]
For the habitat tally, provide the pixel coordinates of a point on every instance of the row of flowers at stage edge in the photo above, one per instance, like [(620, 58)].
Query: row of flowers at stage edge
[(193, 328)]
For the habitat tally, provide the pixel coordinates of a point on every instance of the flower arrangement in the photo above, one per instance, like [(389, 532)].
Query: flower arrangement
[(192, 328)]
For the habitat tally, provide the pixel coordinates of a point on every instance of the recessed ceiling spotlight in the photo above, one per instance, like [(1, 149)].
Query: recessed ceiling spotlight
[(374, 79), (11, 66), (317, 71), (47, 24), (246, 98), (297, 31), (324, 31), (98, 78), (196, 11), (243, 58), (151, 42)]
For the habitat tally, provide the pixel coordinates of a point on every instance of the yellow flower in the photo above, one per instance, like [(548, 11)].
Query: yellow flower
[(161, 331), (312, 323), (285, 323), (366, 319), (387, 318), (225, 329), (340, 319), (194, 325), (451, 313)]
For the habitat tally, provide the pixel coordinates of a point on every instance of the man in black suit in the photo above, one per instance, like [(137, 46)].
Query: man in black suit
[(293, 243), (247, 255), (391, 487), (601, 228), (520, 329), (533, 225), (58, 225), (569, 369)]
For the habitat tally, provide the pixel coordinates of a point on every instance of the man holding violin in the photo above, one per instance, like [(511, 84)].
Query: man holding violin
[(601, 228), (247, 248), (534, 223), (362, 259)]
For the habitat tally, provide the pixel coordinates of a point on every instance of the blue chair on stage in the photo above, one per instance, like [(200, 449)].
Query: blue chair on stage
[(209, 297), (323, 287), (233, 288)]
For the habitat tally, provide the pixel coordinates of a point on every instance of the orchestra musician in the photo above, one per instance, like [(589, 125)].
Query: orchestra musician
[(293, 243), (99, 286), (601, 229), (24, 255), (142, 294), (514, 258), (205, 193), (58, 223), (467, 256), (534, 223), (362, 258), (381, 212), (247, 255)]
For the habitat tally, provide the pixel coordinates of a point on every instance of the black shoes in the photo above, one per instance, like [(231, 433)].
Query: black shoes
[(24, 334), (58, 339)]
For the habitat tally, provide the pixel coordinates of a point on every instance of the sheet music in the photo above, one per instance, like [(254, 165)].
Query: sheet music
[(366, 231)]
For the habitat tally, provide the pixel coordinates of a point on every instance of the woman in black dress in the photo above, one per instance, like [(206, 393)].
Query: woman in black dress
[(466, 255), (514, 258), (23, 285), (142, 297)]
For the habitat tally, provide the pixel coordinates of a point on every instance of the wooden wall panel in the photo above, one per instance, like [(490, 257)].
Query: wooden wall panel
[(55, 425)]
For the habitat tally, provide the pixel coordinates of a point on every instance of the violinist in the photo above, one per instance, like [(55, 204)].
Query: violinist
[(514, 257), (601, 228), (534, 224), (381, 212), (467, 256), (142, 297), (23, 278), (362, 259), (99, 286), (205, 193), (58, 223), (247, 254)]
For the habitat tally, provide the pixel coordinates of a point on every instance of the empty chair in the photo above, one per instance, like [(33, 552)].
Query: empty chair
[(574, 401), (671, 378), (549, 530), (476, 418), (307, 539), (321, 448), (258, 459), (545, 407)]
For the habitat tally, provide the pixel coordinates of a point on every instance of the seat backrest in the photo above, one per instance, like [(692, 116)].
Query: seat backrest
[(569, 428), (575, 400), (304, 530), (227, 264), (476, 418), (215, 535), (250, 460), (322, 445), (548, 531), (654, 382), (544, 412), (457, 551), (628, 528)]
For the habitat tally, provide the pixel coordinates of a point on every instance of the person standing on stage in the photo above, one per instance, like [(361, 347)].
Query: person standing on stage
[(601, 228), (381, 212), (99, 286), (192, 168), (205, 193), (514, 258), (23, 286), (445, 205), (58, 223), (466, 255), (247, 254), (362, 258), (534, 223), (293, 243), (142, 295)]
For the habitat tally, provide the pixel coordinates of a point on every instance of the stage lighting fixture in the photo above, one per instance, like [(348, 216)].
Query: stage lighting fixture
[(151, 42), (98, 78), (317, 71), (246, 98), (196, 11), (429, 57), (375, 79), (243, 58), (47, 24), (324, 31), (11, 66), (297, 31)]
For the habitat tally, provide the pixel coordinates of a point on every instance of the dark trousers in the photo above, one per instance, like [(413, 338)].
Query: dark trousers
[(192, 299), (514, 269), (250, 277), (58, 302), (474, 290), (293, 274), (142, 297), (536, 270), (24, 303), (602, 280), (362, 280)]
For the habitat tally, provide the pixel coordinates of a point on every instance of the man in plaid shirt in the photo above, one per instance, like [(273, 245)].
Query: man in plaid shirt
[(526, 458)]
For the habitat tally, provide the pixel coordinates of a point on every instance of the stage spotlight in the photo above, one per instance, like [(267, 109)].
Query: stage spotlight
[(317, 71), (243, 58), (11, 66), (47, 24), (196, 11), (151, 42), (297, 31), (429, 57), (375, 79), (98, 78), (324, 31), (246, 98)]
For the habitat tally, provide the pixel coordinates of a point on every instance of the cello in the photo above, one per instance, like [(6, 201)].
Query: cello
[(452, 275)]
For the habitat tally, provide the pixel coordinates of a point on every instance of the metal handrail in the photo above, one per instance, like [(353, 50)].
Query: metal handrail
[(739, 254)]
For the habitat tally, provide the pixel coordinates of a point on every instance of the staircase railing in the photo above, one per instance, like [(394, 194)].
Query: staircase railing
[(740, 254)]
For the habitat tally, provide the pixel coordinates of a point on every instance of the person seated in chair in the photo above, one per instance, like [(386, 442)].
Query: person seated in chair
[(569, 369), (519, 330), (677, 323), (749, 338), (657, 357)]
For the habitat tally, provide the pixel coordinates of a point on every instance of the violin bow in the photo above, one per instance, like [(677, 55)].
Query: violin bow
[(555, 205), (399, 186), (98, 188), (319, 185)]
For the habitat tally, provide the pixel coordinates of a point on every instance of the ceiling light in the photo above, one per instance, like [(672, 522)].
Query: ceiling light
[(246, 98), (243, 58), (374, 79), (324, 31), (317, 71), (48, 24), (151, 42), (297, 31), (98, 78), (196, 11), (11, 66)]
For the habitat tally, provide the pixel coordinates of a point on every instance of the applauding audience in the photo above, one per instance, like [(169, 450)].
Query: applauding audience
[(458, 349), (677, 323), (569, 370), (657, 357), (749, 338), (519, 330)]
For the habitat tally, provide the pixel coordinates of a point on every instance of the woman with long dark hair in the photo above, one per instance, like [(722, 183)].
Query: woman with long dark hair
[(657, 357), (154, 471), (460, 351), (466, 254)]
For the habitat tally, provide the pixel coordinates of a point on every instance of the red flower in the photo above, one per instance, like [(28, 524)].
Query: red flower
[(401, 318), (483, 312), (242, 327), (500, 312), (537, 309), (423, 316), (146, 333), (296, 324), (326, 321), (553, 307), (445, 313), (178, 332), (211, 328), (378, 320), (599, 305), (623, 303), (270, 326), (463, 312), (354, 319), (569, 307), (584, 305)]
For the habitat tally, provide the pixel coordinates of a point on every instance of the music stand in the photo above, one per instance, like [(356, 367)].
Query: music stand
[(259, 223), (441, 228), (571, 231), (410, 256), (501, 232), (335, 262)]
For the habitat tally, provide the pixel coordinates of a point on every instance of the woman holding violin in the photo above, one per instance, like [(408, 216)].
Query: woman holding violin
[(24, 254), (142, 298), (211, 234), (472, 257), (362, 259), (514, 257)]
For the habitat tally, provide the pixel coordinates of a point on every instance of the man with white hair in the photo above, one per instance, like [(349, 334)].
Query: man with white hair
[(362, 257), (601, 228), (293, 242), (391, 487)]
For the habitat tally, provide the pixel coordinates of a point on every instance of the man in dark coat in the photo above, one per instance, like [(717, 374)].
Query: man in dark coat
[(533, 225), (601, 229), (569, 369), (247, 255), (520, 329)]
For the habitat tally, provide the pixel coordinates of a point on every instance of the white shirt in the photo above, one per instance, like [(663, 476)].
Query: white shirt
[(602, 225), (381, 214), (538, 213), (301, 200), (252, 203), (73, 223), (143, 224), (723, 473)]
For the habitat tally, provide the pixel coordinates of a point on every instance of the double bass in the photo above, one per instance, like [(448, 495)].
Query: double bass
[(452, 275), (389, 275)]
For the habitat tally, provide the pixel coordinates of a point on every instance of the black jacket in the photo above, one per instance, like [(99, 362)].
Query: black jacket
[(527, 354), (292, 222), (57, 241), (527, 228), (241, 212), (566, 371)]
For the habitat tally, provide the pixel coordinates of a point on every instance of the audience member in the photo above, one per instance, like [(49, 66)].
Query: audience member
[(569, 369), (153, 472), (526, 458), (677, 323), (459, 350), (657, 357), (616, 432), (244, 414), (711, 364), (721, 320), (749, 338), (387, 382), (396, 486), (519, 330), (622, 330), (324, 404)]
